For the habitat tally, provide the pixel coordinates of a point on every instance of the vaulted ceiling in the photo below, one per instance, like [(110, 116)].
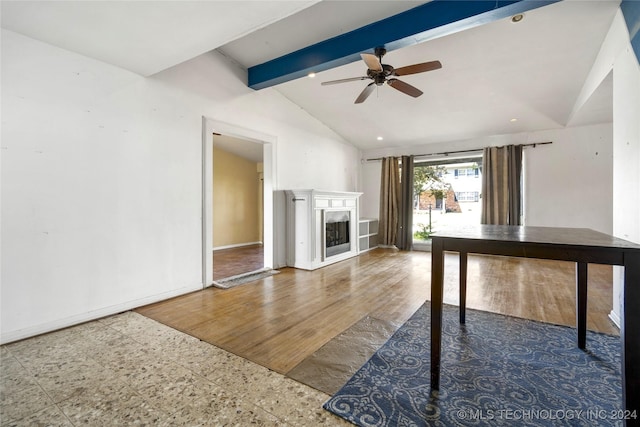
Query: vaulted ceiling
[(531, 71), (493, 70)]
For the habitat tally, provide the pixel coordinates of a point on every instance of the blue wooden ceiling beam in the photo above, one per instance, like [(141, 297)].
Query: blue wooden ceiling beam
[(434, 19), (631, 12)]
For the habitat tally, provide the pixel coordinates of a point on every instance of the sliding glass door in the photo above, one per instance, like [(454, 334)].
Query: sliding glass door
[(446, 194)]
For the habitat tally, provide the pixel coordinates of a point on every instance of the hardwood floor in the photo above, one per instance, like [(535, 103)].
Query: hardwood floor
[(234, 261), (279, 321)]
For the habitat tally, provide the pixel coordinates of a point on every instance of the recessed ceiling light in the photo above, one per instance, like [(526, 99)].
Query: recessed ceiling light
[(311, 75), (517, 18), (379, 138), (513, 120)]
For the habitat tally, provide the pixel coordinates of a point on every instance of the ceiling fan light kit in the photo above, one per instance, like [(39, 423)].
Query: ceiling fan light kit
[(383, 73)]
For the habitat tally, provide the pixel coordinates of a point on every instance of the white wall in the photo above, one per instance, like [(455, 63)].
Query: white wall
[(98, 209), (626, 164), (616, 57), (101, 178), (569, 183), (370, 178), (626, 145)]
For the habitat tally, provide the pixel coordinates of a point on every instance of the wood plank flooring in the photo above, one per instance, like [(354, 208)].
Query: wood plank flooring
[(279, 321), (234, 261)]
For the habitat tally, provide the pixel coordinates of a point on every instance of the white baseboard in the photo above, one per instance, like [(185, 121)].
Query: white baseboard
[(615, 318), (238, 245), (11, 336)]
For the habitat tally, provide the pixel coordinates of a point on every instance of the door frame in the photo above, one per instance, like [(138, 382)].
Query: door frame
[(268, 142)]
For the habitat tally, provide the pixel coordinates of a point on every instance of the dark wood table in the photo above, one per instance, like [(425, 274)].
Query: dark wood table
[(580, 245)]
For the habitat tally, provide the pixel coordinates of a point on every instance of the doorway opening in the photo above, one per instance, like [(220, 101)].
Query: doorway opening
[(447, 193), (237, 208), (238, 246)]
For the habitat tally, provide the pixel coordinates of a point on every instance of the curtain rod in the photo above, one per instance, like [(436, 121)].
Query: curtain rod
[(446, 153)]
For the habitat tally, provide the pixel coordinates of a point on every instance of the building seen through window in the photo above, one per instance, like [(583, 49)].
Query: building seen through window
[(446, 194)]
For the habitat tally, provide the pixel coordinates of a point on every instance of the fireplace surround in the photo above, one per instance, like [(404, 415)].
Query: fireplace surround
[(322, 227)]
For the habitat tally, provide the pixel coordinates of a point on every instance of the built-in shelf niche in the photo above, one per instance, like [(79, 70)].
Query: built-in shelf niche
[(367, 234)]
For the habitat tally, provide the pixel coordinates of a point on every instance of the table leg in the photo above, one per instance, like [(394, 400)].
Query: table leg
[(581, 303), (463, 285), (630, 336), (437, 278)]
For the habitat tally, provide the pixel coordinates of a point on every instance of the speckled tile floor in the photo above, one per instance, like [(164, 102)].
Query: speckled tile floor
[(130, 370)]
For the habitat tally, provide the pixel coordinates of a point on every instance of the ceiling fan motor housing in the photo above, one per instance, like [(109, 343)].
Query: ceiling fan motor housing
[(379, 77)]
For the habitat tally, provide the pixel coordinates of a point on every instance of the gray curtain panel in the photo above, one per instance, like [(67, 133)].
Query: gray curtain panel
[(501, 185), (515, 184), (389, 199), (404, 240)]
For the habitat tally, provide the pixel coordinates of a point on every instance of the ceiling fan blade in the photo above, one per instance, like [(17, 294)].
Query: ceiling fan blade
[(365, 93), (404, 87), (372, 61), (352, 79), (417, 68)]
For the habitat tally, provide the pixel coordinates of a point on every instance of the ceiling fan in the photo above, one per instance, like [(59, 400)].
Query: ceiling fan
[(382, 73)]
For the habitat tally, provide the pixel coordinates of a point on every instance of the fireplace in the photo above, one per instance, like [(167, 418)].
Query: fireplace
[(322, 227), (337, 233)]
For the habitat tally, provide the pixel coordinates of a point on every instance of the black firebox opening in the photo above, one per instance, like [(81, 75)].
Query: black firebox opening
[(337, 233)]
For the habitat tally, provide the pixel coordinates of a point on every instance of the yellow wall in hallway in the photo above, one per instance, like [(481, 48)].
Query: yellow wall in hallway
[(235, 200)]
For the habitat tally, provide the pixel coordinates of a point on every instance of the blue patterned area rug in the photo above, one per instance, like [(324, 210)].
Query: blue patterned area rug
[(495, 370)]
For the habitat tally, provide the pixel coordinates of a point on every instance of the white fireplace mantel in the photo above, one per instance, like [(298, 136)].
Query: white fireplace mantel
[(306, 228)]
